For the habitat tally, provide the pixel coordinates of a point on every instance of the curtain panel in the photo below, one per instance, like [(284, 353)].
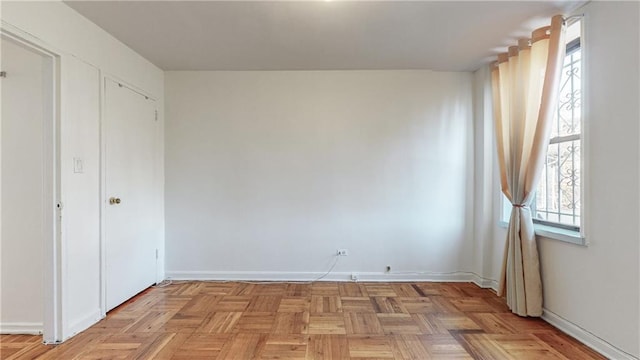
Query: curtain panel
[(525, 86)]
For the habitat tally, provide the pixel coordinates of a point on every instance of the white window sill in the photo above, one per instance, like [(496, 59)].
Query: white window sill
[(555, 233)]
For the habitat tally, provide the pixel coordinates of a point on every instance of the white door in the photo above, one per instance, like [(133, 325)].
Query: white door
[(23, 227), (130, 151)]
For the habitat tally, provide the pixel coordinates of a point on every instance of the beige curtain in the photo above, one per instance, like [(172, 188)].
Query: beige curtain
[(525, 83)]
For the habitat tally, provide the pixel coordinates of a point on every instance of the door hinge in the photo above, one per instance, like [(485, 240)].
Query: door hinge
[(156, 115), (3, 74), (157, 254)]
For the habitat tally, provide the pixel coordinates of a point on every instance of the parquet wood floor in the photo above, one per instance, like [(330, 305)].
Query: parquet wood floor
[(324, 320)]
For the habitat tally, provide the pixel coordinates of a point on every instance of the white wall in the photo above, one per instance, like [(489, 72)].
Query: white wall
[(21, 241), (87, 55), (594, 291), (268, 173), (80, 136)]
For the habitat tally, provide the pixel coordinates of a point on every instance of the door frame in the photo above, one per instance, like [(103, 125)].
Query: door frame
[(104, 197), (52, 216)]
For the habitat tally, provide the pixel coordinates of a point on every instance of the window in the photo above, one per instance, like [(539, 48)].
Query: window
[(558, 199)]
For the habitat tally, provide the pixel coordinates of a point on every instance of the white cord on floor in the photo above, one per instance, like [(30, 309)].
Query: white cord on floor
[(328, 272)]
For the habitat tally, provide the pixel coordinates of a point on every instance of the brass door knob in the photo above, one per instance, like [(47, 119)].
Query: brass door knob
[(114, 201)]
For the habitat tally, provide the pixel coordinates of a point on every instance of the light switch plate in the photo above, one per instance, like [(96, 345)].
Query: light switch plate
[(78, 165)]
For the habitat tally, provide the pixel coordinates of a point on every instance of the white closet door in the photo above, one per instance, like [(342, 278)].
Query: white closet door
[(130, 244), (23, 230)]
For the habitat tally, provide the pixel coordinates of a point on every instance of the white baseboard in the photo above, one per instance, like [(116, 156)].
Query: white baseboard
[(82, 324), (22, 328), (585, 337), (485, 283), (459, 276)]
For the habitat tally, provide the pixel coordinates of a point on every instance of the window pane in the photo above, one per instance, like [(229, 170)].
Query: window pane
[(547, 204), (567, 120), (569, 181), (558, 196)]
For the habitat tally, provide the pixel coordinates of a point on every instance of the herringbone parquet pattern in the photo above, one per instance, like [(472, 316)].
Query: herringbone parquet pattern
[(324, 320)]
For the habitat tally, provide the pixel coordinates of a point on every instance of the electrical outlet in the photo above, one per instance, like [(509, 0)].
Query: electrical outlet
[(354, 277), (343, 252)]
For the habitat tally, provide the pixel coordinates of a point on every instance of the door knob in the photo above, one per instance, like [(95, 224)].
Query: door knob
[(114, 201)]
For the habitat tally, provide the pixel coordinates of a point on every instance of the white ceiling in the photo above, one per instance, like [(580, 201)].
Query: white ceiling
[(318, 35)]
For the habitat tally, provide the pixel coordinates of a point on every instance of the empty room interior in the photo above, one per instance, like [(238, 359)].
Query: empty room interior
[(320, 180)]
